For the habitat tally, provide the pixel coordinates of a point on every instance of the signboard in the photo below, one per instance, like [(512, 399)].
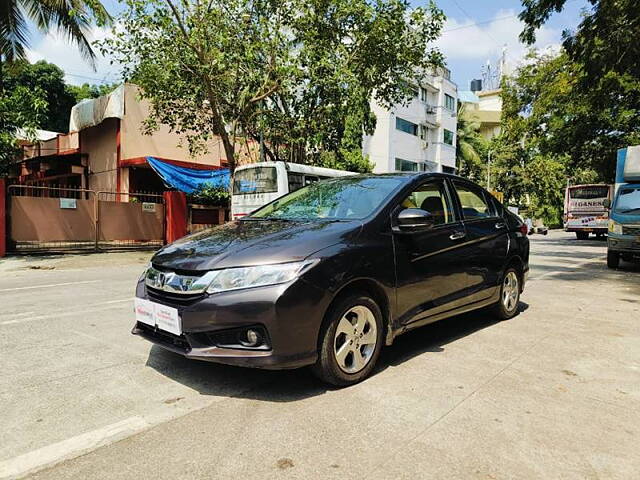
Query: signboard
[(68, 203), (148, 207)]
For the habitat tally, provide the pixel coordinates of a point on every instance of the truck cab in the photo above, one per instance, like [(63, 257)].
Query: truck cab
[(624, 217)]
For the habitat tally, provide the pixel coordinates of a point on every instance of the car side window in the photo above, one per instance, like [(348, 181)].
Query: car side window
[(433, 198), (473, 202)]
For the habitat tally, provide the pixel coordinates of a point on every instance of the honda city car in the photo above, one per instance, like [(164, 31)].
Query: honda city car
[(329, 274)]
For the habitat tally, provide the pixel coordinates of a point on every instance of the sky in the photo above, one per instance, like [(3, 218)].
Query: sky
[(476, 31)]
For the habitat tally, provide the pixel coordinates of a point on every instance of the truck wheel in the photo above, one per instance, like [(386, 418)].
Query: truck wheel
[(613, 259), (582, 235)]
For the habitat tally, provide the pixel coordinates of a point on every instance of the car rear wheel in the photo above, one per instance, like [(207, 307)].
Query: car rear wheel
[(350, 341), (507, 306), (582, 235), (613, 259)]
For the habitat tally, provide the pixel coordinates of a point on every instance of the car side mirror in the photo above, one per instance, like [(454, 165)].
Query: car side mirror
[(412, 219), (607, 203)]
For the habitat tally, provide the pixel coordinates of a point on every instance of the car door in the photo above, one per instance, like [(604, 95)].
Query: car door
[(487, 237), (431, 263)]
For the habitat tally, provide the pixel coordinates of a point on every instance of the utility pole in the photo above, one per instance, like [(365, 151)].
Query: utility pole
[(489, 171)]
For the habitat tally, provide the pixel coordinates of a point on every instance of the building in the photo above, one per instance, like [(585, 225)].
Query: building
[(105, 149), (485, 108), (419, 136)]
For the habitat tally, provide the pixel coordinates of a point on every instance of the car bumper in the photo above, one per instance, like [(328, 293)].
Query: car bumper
[(290, 315)]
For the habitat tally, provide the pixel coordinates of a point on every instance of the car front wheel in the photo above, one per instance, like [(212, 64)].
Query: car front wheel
[(350, 341), (613, 259)]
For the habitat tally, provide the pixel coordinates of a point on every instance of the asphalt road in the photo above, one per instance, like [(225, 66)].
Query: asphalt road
[(552, 393)]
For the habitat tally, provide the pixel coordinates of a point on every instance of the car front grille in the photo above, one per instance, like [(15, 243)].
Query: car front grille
[(631, 229), (173, 299)]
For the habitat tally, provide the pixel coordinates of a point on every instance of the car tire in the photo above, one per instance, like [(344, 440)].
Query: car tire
[(582, 235), (613, 259), (507, 306), (353, 320)]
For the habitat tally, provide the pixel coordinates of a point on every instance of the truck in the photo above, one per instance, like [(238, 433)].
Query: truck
[(584, 209), (624, 211)]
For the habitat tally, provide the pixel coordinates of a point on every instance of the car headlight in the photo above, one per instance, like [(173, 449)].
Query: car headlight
[(615, 227), (144, 272), (258, 276)]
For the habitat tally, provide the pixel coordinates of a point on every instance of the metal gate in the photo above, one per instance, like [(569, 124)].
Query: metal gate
[(47, 219)]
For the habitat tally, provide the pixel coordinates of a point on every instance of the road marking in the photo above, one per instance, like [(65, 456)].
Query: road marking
[(51, 285), (71, 447), (64, 313), (13, 315)]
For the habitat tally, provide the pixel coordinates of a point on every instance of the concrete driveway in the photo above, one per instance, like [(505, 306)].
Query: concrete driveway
[(552, 393)]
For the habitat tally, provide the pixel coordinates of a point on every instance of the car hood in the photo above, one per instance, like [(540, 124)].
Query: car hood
[(252, 242)]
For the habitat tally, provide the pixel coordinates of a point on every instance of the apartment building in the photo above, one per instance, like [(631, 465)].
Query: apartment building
[(421, 135), (485, 108)]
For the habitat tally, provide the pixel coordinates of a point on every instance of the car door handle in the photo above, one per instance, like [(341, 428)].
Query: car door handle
[(500, 225), (457, 235)]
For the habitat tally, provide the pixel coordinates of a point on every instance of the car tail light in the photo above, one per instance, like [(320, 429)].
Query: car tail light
[(524, 229)]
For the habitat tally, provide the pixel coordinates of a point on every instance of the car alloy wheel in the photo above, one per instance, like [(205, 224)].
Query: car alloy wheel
[(355, 339), (510, 291)]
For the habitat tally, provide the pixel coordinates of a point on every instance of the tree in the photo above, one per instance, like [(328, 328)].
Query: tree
[(471, 147), (299, 75), (89, 91), (49, 79), (546, 104), (21, 113), (73, 18), (605, 41)]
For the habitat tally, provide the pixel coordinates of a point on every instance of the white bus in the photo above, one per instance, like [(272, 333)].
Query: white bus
[(257, 184)]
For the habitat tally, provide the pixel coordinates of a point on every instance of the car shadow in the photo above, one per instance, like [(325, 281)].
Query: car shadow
[(293, 385)]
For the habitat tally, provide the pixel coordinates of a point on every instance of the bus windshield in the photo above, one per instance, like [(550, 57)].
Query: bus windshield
[(255, 180), (589, 193), (345, 198)]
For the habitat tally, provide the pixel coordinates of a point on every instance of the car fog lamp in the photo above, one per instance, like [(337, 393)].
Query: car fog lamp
[(252, 338)]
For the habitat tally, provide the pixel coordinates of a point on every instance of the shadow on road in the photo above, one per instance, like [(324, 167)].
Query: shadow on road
[(292, 385)]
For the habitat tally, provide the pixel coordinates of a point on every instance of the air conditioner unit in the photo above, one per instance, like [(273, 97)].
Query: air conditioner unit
[(431, 110)]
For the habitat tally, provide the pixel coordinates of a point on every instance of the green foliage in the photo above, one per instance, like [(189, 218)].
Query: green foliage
[(72, 18), (89, 91), (49, 79), (21, 110), (210, 195), (605, 41), (471, 147), (350, 160), (546, 104), (300, 74)]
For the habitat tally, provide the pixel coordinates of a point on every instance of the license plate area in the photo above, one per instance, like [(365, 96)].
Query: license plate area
[(158, 315)]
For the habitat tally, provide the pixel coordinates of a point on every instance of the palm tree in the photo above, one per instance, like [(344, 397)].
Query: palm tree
[(73, 18), (470, 146)]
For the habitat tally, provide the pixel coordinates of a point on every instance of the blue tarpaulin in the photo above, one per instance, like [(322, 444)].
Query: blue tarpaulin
[(189, 180)]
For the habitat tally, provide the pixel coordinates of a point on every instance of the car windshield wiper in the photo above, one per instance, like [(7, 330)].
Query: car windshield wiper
[(630, 210)]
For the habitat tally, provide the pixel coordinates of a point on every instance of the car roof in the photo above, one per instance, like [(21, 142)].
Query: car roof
[(410, 176)]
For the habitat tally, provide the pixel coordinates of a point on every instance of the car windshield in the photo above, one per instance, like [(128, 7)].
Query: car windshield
[(345, 198), (628, 200)]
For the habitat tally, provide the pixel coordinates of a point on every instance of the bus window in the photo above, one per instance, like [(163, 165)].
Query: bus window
[(309, 179), (295, 181), (255, 180)]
